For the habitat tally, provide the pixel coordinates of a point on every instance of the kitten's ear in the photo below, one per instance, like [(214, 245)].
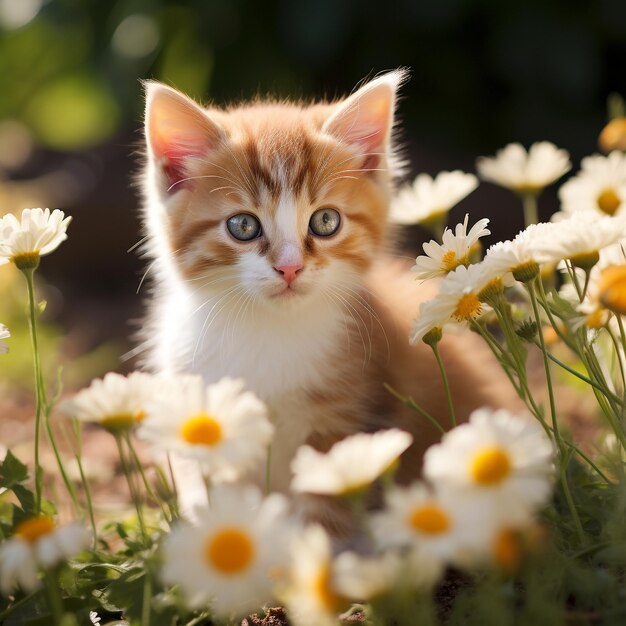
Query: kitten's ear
[(365, 119), (176, 129)]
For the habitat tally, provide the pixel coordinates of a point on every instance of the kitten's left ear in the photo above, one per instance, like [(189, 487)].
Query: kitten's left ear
[(365, 119), (177, 130)]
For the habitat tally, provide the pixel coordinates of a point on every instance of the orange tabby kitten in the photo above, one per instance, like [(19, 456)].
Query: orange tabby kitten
[(267, 227)]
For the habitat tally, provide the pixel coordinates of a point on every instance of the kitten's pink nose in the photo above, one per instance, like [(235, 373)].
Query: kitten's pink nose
[(289, 271)]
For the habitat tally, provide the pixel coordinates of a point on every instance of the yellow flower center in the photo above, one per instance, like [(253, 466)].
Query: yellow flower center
[(467, 307), (507, 550), (321, 588), (450, 261), (429, 519), (230, 551), (201, 429), (34, 528), (608, 201), (612, 288), (490, 466)]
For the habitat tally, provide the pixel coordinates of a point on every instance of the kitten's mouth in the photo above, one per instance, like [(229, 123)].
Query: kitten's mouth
[(288, 292)]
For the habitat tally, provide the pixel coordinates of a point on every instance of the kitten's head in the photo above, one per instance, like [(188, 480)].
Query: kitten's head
[(284, 200)]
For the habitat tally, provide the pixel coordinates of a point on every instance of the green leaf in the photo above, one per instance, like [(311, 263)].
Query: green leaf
[(26, 498), (12, 471)]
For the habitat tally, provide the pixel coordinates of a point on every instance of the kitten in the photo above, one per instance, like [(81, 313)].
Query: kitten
[(267, 229)]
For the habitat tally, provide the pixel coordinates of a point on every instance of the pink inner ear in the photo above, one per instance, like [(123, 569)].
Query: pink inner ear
[(172, 150), (365, 122), (174, 166), (371, 163)]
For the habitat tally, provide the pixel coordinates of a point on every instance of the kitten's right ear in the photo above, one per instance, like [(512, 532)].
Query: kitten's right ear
[(177, 129)]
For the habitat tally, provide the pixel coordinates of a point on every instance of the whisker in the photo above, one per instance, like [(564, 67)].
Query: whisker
[(367, 354), (205, 328), (139, 243), (372, 313)]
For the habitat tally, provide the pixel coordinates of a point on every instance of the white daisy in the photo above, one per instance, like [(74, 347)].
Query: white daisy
[(312, 598), (461, 299), (455, 250), (341, 470), (430, 323), (37, 544), (435, 524), (230, 556), (4, 334), (39, 232), (463, 294), (581, 237), (600, 186), (115, 402), (501, 460), (523, 255), (525, 172), (223, 427), (430, 199)]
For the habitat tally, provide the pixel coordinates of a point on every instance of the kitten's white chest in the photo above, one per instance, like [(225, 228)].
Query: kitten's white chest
[(281, 355)]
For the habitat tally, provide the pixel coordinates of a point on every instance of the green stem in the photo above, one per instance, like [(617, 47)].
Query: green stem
[(144, 479), (78, 453), (618, 357), (42, 408), (39, 398), (131, 485), (580, 376), (57, 456), (531, 213), (92, 517), (446, 385), (571, 505), (555, 426), (583, 456), (416, 407), (502, 356), (607, 403), (55, 601)]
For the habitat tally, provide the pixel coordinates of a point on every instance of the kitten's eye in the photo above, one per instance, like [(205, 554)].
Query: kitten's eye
[(324, 222), (244, 226)]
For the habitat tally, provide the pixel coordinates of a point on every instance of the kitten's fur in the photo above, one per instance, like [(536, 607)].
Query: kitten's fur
[(317, 350)]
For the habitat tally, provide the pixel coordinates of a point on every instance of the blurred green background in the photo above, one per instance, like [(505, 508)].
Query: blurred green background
[(484, 72)]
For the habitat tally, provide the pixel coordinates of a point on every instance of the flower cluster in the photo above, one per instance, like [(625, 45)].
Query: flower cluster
[(235, 548), (486, 478), (239, 549)]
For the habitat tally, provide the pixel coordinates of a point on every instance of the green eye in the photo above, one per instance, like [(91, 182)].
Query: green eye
[(244, 226), (325, 222)]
